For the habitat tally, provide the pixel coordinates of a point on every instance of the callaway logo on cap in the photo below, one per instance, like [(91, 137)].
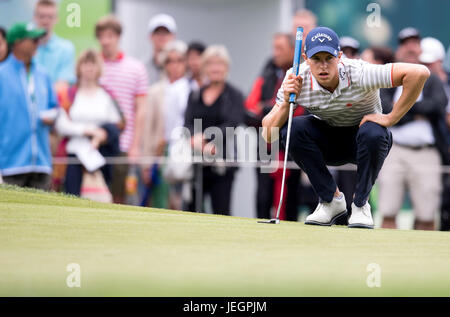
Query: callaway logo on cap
[(321, 39)]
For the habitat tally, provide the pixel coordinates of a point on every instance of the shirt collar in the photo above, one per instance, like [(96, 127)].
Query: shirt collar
[(315, 86), (50, 43), (344, 78), (344, 81), (119, 57), (18, 63)]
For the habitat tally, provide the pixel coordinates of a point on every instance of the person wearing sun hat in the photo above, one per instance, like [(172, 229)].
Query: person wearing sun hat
[(28, 107)]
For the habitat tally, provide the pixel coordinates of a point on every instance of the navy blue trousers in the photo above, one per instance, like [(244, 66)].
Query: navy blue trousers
[(314, 144), (74, 177)]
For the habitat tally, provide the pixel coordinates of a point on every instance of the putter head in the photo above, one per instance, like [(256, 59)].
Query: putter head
[(274, 221)]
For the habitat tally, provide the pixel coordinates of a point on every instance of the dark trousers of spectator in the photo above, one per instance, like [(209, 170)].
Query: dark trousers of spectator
[(74, 177), (217, 186), (265, 190), (315, 144), (264, 195), (118, 188), (32, 180), (445, 207), (74, 172)]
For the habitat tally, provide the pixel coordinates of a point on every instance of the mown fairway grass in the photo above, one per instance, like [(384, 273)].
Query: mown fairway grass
[(132, 251)]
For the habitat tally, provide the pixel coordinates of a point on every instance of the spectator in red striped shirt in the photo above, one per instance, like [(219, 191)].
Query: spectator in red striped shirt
[(126, 79)]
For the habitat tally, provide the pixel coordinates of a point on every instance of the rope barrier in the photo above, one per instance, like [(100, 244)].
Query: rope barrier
[(162, 160)]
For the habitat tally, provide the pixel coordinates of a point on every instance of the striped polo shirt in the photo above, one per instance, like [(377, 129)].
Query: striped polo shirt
[(356, 95), (125, 78)]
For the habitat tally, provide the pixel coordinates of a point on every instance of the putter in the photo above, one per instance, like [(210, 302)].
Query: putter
[(292, 97)]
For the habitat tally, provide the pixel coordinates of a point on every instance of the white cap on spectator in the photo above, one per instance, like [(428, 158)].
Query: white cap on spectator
[(162, 20), (408, 33), (347, 41), (432, 50)]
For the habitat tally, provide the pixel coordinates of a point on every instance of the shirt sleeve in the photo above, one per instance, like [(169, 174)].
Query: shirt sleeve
[(376, 76), (114, 115), (52, 99), (142, 81), (234, 112), (67, 66), (189, 113), (66, 127)]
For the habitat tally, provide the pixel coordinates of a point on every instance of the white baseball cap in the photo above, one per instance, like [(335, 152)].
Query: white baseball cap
[(162, 20), (432, 50), (408, 33), (347, 41)]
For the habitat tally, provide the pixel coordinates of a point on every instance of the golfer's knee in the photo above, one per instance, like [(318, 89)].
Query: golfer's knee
[(297, 137), (373, 135)]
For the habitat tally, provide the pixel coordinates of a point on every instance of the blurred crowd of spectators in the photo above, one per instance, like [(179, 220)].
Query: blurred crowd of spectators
[(109, 104)]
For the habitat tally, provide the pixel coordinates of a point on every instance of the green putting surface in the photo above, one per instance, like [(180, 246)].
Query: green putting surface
[(132, 251)]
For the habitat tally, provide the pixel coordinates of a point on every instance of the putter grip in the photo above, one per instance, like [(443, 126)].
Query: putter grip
[(297, 57)]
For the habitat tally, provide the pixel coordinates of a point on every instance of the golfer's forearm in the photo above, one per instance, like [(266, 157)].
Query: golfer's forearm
[(274, 119), (412, 78)]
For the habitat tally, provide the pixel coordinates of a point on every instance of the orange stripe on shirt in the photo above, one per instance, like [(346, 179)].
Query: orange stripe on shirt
[(392, 75)]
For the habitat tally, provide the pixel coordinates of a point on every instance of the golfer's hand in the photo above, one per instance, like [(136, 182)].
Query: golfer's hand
[(382, 119), (292, 84)]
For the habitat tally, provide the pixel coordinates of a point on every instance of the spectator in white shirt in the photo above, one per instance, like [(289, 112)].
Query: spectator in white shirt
[(94, 115)]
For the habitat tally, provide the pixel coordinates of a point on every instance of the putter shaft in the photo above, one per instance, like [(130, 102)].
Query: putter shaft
[(291, 112)]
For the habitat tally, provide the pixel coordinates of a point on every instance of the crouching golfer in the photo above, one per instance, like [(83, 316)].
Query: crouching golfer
[(346, 124)]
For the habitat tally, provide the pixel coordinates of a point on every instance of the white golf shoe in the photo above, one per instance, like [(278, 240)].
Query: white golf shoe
[(326, 214), (361, 217)]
